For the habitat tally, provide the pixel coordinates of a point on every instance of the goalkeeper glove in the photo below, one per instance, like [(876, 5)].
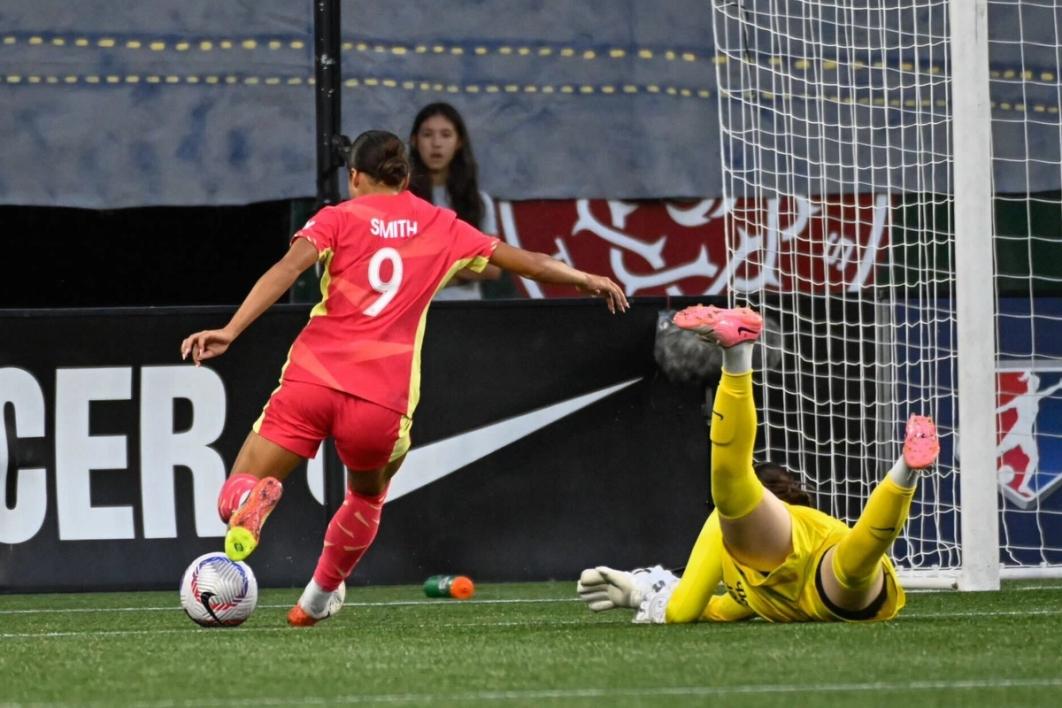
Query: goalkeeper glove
[(653, 608), (603, 588)]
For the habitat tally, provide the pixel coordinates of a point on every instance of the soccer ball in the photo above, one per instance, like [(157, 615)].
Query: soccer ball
[(218, 592)]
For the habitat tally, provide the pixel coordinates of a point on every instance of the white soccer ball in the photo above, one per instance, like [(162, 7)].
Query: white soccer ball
[(218, 592)]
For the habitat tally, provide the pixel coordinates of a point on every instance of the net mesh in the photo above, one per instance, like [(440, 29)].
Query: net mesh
[(837, 163), (1026, 49)]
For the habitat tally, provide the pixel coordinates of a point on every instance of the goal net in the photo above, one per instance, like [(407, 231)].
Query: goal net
[(858, 166)]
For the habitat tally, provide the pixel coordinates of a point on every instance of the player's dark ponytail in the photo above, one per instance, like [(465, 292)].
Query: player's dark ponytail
[(782, 483), (381, 155)]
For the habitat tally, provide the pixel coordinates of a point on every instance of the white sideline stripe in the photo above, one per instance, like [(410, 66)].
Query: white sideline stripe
[(285, 628), (741, 689), (441, 601), (1018, 588), (648, 692), (422, 625), (980, 613), (515, 601), (388, 603)]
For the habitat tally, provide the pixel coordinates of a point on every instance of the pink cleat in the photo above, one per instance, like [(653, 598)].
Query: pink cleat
[(724, 327), (245, 525), (920, 446)]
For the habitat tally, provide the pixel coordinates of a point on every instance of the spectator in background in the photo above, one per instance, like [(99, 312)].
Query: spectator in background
[(445, 173)]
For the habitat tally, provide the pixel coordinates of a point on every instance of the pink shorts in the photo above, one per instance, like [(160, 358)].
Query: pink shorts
[(300, 415)]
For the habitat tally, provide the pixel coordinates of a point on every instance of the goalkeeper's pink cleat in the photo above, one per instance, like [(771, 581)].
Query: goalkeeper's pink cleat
[(920, 446), (724, 327), (245, 525)]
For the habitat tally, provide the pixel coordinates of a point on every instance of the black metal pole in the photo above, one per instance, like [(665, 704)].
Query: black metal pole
[(327, 102), (327, 98)]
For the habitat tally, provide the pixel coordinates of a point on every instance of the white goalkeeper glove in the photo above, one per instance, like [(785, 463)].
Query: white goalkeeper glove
[(603, 588), (653, 608)]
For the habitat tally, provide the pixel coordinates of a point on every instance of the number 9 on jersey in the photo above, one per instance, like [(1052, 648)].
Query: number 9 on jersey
[(387, 288)]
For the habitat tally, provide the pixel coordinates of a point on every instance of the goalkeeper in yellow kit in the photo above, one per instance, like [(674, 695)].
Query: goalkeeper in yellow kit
[(782, 561)]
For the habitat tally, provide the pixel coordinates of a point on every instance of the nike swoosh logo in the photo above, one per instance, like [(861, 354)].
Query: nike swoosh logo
[(204, 600), (431, 463)]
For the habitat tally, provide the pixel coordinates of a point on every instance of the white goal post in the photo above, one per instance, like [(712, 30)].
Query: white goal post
[(886, 137), (971, 118)]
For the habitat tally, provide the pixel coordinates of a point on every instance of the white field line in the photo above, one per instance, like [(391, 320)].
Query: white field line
[(1022, 588), (424, 625), (441, 603), (469, 603), (458, 697), (1016, 588), (418, 603), (387, 603), (285, 628)]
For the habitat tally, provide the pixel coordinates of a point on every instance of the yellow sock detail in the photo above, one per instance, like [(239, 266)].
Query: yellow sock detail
[(858, 555), (735, 488), (704, 571)]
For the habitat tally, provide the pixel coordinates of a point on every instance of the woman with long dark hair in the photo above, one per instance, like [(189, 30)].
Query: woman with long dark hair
[(445, 173)]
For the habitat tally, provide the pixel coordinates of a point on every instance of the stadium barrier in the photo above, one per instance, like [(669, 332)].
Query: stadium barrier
[(546, 440)]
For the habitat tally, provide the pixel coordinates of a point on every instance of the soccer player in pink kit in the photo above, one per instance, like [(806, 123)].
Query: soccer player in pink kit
[(353, 372)]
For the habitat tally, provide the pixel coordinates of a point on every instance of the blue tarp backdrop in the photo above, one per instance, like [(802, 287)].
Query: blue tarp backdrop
[(198, 102)]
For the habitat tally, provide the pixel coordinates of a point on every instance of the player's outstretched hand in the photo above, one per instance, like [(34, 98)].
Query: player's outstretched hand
[(603, 588), (208, 344), (600, 286)]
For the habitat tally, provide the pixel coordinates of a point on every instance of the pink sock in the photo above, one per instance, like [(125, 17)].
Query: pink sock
[(350, 533), (232, 493)]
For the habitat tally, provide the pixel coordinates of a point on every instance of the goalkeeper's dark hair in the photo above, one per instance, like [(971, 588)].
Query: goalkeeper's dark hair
[(782, 483), (381, 155)]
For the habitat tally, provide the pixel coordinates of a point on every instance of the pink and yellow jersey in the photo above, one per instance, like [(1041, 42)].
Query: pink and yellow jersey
[(384, 258)]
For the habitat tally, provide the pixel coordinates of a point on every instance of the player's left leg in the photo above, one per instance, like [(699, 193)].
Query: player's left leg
[(256, 491), (293, 423), (851, 571)]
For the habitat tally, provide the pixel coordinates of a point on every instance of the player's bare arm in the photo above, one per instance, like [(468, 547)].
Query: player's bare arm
[(542, 268), (276, 281), (491, 272)]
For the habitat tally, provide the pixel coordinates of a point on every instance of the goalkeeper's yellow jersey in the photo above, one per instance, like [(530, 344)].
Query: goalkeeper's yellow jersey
[(788, 593)]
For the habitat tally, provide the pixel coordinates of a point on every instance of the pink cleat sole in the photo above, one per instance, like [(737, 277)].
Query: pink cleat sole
[(920, 445), (725, 327)]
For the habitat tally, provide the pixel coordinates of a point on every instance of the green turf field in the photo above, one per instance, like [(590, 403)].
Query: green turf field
[(525, 644)]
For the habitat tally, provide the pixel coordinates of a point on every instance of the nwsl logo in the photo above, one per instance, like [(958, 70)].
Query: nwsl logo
[(1029, 433)]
